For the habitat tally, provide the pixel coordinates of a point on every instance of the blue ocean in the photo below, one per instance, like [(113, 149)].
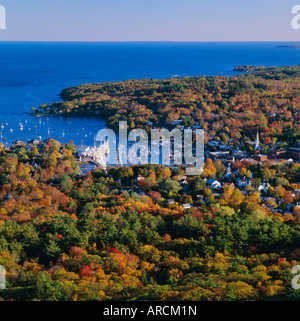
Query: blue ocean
[(32, 73)]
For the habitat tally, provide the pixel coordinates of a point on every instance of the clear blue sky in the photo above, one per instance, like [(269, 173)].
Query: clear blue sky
[(149, 20)]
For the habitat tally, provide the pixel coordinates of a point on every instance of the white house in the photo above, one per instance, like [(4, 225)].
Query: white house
[(213, 183), (263, 187), (242, 182)]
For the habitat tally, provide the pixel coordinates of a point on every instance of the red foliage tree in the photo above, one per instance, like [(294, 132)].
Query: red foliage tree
[(85, 271)]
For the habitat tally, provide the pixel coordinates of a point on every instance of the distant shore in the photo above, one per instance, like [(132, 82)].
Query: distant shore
[(288, 46)]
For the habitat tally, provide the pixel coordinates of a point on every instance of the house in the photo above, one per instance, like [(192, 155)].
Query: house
[(239, 154), (215, 155), (297, 195), (139, 179), (263, 188), (176, 122), (213, 183), (274, 154), (170, 201), (213, 144), (82, 151), (18, 143), (186, 206), (224, 146), (242, 182), (183, 180), (34, 142), (260, 157)]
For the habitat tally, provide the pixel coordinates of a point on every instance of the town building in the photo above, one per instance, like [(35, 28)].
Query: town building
[(294, 153), (260, 157)]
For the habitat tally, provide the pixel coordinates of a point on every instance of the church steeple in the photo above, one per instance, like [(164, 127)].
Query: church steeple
[(228, 169), (257, 142)]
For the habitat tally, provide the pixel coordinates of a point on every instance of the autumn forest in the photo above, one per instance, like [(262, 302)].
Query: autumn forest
[(148, 232)]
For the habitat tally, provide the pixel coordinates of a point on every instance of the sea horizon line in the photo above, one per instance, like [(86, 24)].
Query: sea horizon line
[(151, 41)]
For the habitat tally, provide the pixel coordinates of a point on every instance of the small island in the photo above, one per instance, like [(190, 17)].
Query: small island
[(247, 68)]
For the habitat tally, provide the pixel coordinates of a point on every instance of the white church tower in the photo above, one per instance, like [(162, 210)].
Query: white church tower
[(257, 142), (228, 169)]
